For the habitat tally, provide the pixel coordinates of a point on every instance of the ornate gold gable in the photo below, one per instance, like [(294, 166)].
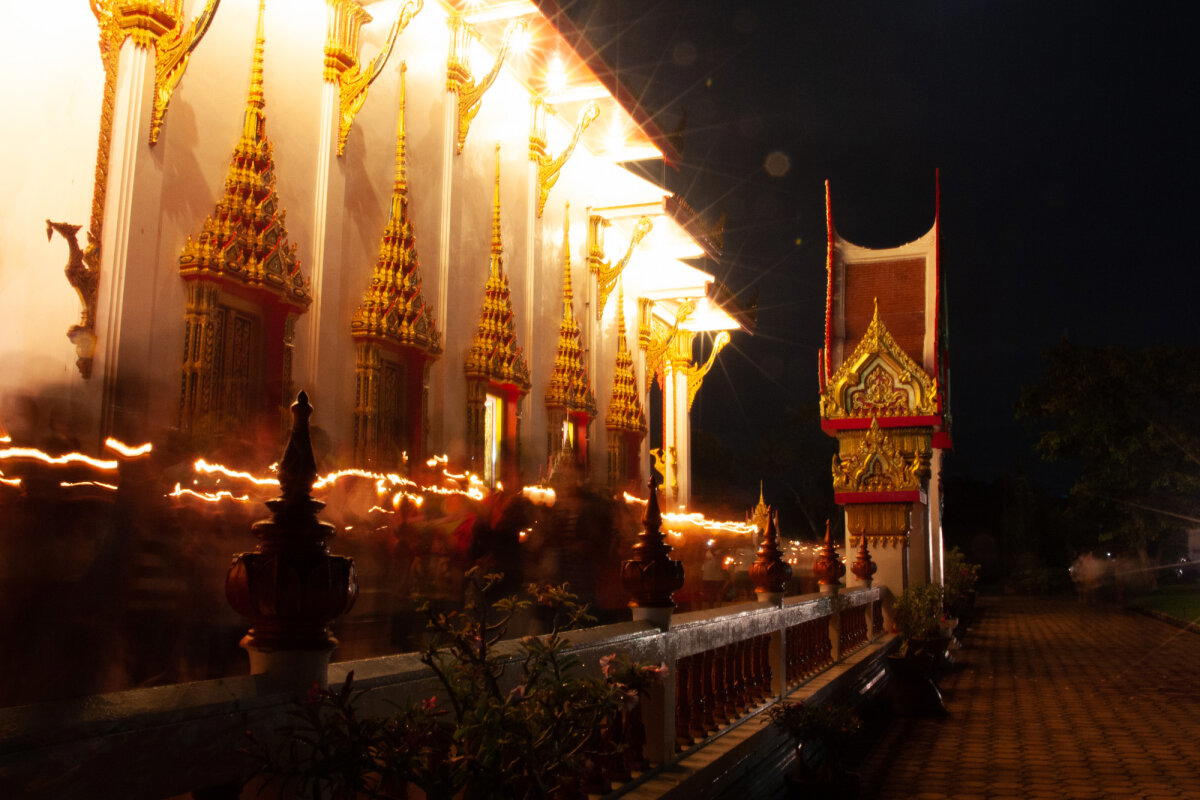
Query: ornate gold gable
[(624, 404), (879, 465), (393, 310), (569, 388), (494, 353), (244, 288), (244, 240), (879, 380)]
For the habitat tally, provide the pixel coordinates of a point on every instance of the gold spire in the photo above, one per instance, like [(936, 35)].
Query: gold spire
[(255, 101), (569, 387), (761, 514), (624, 404), (494, 353), (245, 241), (393, 308), (497, 245), (400, 188)]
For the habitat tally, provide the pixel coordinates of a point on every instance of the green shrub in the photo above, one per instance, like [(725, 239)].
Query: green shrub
[(918, 612)]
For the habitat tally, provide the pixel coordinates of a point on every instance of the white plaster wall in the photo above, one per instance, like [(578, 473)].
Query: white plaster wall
[(52, 91), (51, 176)]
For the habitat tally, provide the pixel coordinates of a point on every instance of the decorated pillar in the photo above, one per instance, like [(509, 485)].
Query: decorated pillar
[(245, 290), (625, 420), (883, 375), (396, 337), (347, 76), (570, 404), (496, 371)]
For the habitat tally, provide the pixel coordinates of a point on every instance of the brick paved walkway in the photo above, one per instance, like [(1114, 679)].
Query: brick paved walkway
[(1054, 701)]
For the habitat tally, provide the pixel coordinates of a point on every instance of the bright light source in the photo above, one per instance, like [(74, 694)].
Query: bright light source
[(522, 41), (614, 138), (556, 74)]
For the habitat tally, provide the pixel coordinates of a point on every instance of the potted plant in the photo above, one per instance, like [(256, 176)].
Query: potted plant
[(519, 721), (823, 736), (918, 618), (959, 577)]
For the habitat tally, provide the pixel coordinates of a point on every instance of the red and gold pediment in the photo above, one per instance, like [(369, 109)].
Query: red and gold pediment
[(879, 380), (878, 465)]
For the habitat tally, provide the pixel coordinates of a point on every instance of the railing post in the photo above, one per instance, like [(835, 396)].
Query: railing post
[(651, 577), (290, 587), (770, 574), (864, 569), (829, 569), (658, 718)]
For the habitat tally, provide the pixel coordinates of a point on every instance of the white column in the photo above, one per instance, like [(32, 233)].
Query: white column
[(533, 430), (324, 281), (937, 546), (439, 430), (128, 252), (683, 437)]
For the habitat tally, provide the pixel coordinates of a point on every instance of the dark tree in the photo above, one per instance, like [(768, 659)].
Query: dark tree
[(1125, 421)]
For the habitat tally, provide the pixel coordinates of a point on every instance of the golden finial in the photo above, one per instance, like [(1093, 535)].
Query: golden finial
[(567, 293), (569, 387), (401, 185), (497, 246), (621, 343), (255, 100), (624, 404)]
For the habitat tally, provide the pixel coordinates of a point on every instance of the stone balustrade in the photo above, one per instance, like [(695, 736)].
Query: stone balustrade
[(725, 664)]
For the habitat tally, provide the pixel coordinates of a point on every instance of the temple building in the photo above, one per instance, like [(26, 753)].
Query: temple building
[(426, 214), (884, 379)]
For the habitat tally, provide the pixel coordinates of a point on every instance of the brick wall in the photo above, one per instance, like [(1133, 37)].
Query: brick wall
[(899, 285)]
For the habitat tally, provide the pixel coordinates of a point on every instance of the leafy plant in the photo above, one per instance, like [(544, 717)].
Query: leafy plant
[(918, 612), (485, 735)]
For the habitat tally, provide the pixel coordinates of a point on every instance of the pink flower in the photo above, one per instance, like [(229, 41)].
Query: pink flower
[(606, 664), (429, 704), (661, 671), (518, 691)]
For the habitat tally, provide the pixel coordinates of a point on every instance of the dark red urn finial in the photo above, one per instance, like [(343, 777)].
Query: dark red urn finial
[(651, 576), (769, 572), (290, 588), (828, 567), (863, 567)]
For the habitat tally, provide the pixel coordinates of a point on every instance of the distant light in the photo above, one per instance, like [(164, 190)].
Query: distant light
[(777, 164)]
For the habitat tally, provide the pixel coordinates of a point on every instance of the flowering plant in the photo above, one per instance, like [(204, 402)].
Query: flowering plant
[(959, 578)]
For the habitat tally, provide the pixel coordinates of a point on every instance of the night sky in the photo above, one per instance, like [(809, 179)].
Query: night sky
[(1065, 137)]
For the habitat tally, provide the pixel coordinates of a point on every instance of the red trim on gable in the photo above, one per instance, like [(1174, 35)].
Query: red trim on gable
[(829, 233), (859, 424), (845, 498)]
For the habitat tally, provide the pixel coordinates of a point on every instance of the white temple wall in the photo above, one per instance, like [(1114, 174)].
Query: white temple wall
[(181, 178), (49, 53)]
